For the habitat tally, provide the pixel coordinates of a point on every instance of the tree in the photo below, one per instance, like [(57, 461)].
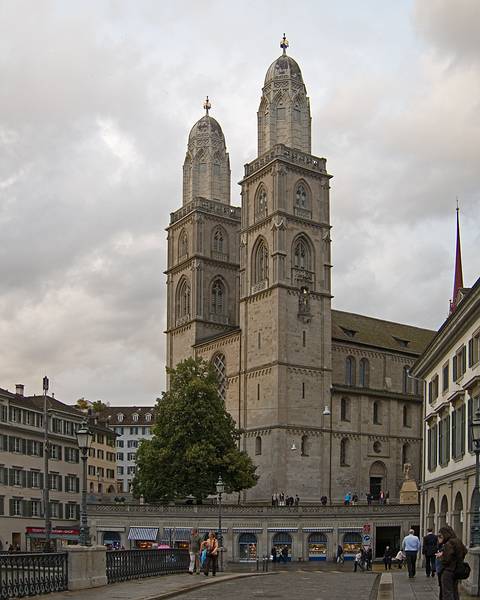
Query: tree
[(194, 441)]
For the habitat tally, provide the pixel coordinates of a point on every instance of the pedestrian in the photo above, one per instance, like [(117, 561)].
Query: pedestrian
[(387, 558), (400, 558), (429, 549), (382, 497), (285, 554), (369, 498), (369, 558), (450, 557), (411, 547), (340, 557), (297, 500), (273, 499), (211, 546), (358, 562), (194, 544), (274, 554), (354, 499), (324, 500)]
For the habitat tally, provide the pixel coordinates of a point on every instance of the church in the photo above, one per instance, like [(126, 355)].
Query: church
[(324, 398)]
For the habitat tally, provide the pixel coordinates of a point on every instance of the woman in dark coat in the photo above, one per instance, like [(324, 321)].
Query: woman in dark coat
[(387, 559), (449, 557)]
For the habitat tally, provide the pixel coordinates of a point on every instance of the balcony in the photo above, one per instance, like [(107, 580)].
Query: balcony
[(304, 213)]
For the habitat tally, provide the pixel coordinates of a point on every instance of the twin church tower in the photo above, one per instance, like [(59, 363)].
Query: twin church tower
[(249, 288)]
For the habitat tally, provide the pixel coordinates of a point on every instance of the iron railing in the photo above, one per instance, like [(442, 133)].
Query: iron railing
[(123, 565), (30, 574)]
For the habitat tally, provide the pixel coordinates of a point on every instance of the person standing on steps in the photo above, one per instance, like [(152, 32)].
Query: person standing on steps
[(411, 547), (429, 549), (387, 559)]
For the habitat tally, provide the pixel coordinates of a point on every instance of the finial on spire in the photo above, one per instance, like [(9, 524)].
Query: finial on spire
[(207, 105), (284, 44), (458, 277)]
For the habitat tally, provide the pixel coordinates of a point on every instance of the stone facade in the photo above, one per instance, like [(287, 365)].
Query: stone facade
[(249, 289)]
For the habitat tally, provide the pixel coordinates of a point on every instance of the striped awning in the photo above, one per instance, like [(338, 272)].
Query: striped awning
[(144, 534), (247, 530), (181, 534), (280, 529), (317, 529)]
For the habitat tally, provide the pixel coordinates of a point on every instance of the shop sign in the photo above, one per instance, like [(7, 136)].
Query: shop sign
[(57, 532)]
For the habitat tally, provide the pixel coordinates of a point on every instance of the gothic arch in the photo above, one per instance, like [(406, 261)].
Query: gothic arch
[(302, 253), (260, 260), (182, 299), (350, 370), (219, 241), (182, 251), (302, 200), (258, 445), (260, 202), (218, 296), (364, 372)]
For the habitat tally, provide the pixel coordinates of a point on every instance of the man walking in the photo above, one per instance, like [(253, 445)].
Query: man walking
[(429, 548), (194, 550), (411, 546)]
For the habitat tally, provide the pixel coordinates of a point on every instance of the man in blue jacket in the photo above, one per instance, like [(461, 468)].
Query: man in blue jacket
[(411, 547)]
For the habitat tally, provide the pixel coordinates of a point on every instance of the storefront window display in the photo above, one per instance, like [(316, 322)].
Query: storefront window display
[(247, 547), (59, 537), (352, 543), (317, 546), (280, 541)]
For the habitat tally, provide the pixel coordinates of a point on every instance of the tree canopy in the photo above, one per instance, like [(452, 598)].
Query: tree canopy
[(194, 441)]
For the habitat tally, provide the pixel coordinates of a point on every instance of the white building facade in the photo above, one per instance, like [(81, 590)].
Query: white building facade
[(450, 367)]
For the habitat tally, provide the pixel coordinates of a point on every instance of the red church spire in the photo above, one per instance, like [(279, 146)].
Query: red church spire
[(458, 279)]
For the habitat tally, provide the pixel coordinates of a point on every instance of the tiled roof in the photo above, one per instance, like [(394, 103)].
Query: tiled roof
[(112, 412), (36, 403), (359, 329)]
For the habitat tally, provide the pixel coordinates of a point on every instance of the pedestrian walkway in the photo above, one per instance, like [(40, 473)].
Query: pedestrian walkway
[(420, 587), (151, 588)]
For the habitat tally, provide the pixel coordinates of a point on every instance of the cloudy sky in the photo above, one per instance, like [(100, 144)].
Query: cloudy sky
[(96, 102)]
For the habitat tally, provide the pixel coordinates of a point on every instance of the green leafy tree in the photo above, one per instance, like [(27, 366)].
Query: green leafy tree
[(194, 441)]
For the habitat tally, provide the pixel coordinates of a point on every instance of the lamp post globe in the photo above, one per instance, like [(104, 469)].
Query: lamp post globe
[(84, 441), (475, 506)]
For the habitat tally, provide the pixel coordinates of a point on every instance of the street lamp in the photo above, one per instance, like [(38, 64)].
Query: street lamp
[(46, 456), (328, 413), (475, 507), (220, 489), (84, 440)]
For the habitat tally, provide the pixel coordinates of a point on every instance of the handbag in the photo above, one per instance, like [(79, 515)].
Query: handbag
[(462, 570)]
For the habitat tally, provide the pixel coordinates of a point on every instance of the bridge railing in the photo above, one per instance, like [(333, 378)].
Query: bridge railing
[(29, 574), (123, 565)]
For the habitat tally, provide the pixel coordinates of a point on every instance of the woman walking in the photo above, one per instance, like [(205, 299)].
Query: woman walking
[(387, 559), (211, 546), (450, 557)]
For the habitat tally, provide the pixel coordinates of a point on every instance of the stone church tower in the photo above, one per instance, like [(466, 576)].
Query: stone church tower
[(249, 290)]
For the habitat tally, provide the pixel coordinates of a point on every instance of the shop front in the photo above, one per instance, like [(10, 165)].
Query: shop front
[(143, 538), (317, 546), (112, 540), (352, 543), (247, 547), (59, 537), (177, 537), (282, 540)]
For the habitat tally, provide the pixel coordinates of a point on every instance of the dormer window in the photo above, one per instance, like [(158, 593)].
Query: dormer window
[(148, 417), (400, 342), (135, 416), (349, 332), (120, 417)]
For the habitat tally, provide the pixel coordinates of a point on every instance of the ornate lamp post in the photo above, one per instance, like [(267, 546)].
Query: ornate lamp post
[(475, 507), (46, 456), (84, 440), (220, 489)]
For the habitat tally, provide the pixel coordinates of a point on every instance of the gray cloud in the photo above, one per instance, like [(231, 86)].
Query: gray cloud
[(96, 103)]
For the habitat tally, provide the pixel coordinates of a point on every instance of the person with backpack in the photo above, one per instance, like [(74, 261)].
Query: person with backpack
[(451, 563)]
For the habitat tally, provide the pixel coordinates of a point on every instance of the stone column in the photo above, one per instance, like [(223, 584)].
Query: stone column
[(471, 585), (87, 567)]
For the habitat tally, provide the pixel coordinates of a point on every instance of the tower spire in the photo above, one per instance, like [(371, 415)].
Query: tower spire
[(284, 44), (207, 105), (458, 277)]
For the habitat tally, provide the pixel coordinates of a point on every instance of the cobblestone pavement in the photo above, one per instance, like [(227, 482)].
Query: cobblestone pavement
[(294, 584), (420, 587)]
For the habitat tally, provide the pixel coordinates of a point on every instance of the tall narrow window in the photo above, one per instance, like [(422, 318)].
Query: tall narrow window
[(259, 340), (345, 409), (364, 372), (376, 413), (258, 391), (406, 416), (404, 454), (183, 245), (183, 299), (218, 242), (343, 452), (258, 445), (261, 204), (304, 446), (218, 297), (261, 262), (301, 255), (301, 199), (304, 338), (303, 389), (350, 370), (406, 380), (220, 366)]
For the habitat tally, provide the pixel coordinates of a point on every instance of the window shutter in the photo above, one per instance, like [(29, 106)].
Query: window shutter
[(11, 444), (429, 449), (29, 479), (454, 434), (77, 484), (26, 508), (60, 510), (11, 476), (454, 368), (447, 426), (11, 507), (24, 478), (40, 449), (59, 483), (2, 505), (470, 352), (463, 423), (77, 512), (42, 480)]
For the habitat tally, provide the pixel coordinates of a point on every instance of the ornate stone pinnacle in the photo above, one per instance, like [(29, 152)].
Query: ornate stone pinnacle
[(207, 105), (284, 44)]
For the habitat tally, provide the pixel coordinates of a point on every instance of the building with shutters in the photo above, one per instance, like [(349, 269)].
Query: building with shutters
[(324, 398), (22, 470)]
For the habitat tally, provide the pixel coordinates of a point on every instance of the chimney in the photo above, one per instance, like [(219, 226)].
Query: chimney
[(19, 388)]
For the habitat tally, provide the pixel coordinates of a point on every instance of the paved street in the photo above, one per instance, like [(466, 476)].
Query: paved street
[(291, 584)]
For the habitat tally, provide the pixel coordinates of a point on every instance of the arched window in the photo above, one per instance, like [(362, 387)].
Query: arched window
[(219, 242), (148, 417), (182, 245), (258, 445), (220, 366), (406, 380), (301, 197), (406, 416), (260, 263), (364, 372), (218, 297), (183, 299), (345, 409), (344, 452), (376, 413), (350, 370), (261, 209), (304, 446), (301, 255)]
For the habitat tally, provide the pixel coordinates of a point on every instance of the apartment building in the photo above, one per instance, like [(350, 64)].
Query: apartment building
[(101, 475)]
